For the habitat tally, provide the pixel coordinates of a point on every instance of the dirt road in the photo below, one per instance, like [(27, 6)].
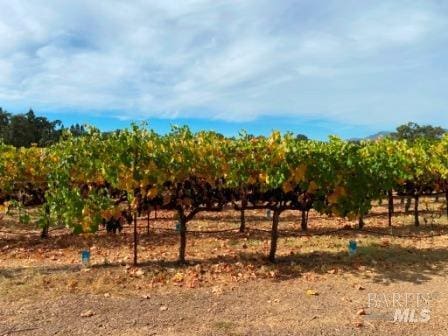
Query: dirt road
[(263, 307)]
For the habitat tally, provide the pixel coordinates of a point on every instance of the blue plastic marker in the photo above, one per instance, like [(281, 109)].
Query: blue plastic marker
[(85, 257), (352, 247)]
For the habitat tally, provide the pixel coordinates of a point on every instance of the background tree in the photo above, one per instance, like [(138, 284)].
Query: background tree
[(413, 131), (77, 130), (4, 123), (24, 130), (301, 137)]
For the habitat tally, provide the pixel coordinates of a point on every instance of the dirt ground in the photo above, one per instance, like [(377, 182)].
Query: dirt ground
[(228, 287)]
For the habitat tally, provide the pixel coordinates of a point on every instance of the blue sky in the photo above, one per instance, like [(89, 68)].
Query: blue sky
[(343, 67)]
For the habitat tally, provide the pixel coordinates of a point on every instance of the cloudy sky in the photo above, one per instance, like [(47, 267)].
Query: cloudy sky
[(344, 67)]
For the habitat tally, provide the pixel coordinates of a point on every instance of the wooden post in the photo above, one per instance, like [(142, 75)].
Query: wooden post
[(136, 211), (391, 206), (274, 235), (44, 233), (148, 221), (304, 223), (183, 239), (417, 222), (361, 221), (242, 221), (135, 239), (446, 199), (407, 206)]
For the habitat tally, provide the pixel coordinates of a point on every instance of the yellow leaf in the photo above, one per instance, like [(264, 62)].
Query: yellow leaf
[(106, 214), (311, 292), (178, 277), (262, 177), (287, 187), (152, 193), (352, 216), (134, 203), (116, 213), (333, 198), (86, 224), (299, 173), (312, 187), (85, 211), (340, 191)]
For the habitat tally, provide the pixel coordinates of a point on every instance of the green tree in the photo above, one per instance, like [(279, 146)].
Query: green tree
[(4, 123), (413, 131), (301, 137), (23, 130), (77, 130)]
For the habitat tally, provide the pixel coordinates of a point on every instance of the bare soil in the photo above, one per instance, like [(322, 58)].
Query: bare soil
[(228, 287)]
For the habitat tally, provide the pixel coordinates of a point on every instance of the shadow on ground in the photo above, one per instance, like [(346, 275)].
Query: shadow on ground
[(385, 264)]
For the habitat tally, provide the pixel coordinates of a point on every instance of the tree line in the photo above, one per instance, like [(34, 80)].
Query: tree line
[(27, 129)]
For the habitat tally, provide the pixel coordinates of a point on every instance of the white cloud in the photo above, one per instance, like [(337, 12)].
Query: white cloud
[(234, 60)]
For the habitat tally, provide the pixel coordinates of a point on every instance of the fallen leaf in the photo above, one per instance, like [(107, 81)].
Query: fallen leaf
[(385, 242), (217, 290), (178, 277), (87, 313), (311, 292), (361, 312)]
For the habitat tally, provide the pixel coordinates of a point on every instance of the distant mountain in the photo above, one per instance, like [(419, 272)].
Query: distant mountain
[(378, 135), (375, 136)]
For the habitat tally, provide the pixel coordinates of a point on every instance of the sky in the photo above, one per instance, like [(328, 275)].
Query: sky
[(344, 67)]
